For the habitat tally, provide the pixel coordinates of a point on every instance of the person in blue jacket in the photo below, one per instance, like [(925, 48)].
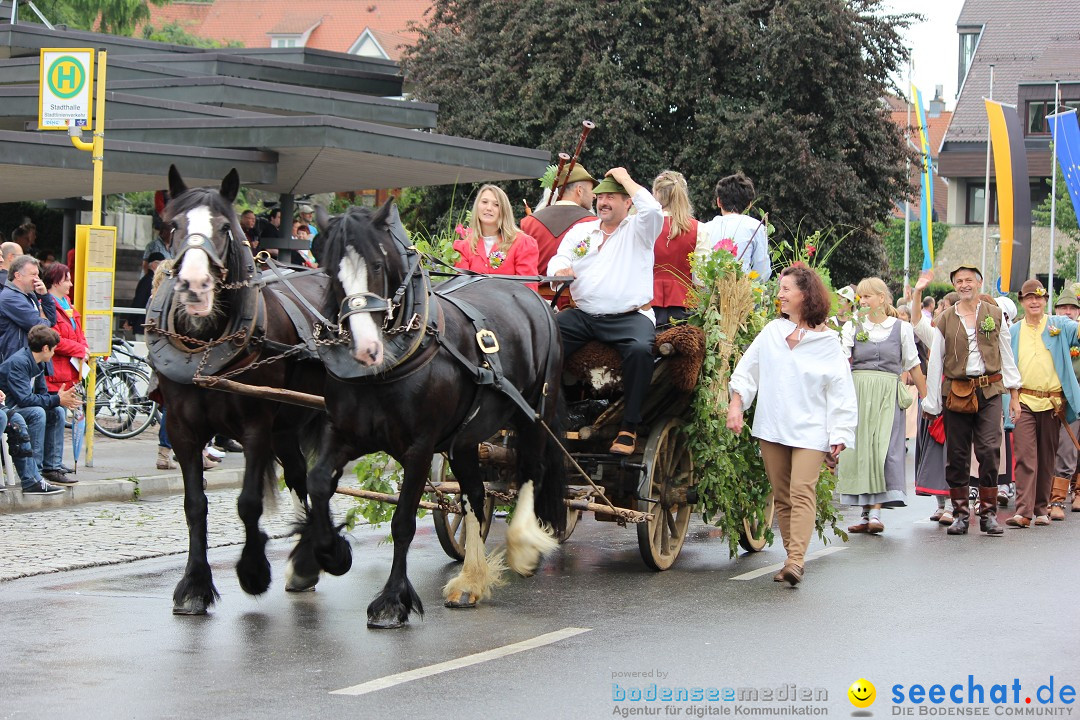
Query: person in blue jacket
[(22, 379), (24, 303), (1049, 395)]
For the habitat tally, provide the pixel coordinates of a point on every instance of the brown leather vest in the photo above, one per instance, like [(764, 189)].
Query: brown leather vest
[(956, 346)]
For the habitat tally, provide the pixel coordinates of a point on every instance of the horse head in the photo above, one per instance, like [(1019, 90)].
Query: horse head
[(365, 266), (203, 220)]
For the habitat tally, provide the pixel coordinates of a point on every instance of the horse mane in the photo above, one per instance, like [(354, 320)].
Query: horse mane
[(357, 222)]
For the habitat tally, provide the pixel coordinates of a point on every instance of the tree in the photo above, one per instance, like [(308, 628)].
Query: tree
[(116, 17), (892, 237), (787, 91), (1067, 229), (174, 33)]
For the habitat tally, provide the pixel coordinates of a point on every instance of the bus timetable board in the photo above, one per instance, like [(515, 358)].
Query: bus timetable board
[(95, 249)]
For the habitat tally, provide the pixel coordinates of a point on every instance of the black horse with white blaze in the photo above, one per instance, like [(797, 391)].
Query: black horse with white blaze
[(215, 316), (430, 372)]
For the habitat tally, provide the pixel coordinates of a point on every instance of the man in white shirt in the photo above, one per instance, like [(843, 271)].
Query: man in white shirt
[(971, 356), (734, 196), (611, 261)]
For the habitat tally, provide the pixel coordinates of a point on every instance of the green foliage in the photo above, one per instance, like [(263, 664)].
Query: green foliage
[(892, 237), (175, 34), (732, 483), (116, 17), (438, 242), (787, 91), (1067, 235), (377, 472), (938, 290)]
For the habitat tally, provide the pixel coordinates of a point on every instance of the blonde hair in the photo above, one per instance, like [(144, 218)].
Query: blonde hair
[(669, 189), (877, 286), (508, 229)]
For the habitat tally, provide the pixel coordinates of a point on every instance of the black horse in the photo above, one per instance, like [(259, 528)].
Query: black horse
[(213, 315), (444, 397)]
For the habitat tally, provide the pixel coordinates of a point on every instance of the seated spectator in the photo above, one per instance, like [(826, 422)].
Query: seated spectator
[(750, 236), (73, 350), (493, 243), (22, 379), (24, 303), (18, 439)]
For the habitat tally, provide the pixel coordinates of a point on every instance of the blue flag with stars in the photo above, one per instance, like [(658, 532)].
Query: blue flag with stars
[(1066, 133)]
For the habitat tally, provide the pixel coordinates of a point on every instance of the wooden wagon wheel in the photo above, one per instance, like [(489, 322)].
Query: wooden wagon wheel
[(669, 474), (448, 525), (752, 537)]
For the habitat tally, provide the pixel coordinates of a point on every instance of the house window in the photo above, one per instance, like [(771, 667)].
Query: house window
[(968, 41), (1037, 110), (284, 41), (976, 204)]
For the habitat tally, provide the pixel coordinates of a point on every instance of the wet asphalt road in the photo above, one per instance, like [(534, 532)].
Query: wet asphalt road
[(910, 606)]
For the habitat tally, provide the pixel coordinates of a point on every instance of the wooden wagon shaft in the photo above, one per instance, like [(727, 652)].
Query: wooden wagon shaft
[(630, 516), (393, 499), (291, 397), (452, 488)]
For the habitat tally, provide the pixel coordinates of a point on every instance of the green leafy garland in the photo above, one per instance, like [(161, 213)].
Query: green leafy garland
[(732, 309)]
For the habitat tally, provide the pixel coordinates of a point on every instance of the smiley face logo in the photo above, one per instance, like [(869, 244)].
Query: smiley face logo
[(862, 693)]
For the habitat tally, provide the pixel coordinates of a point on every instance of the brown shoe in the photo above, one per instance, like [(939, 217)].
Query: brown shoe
[(1057, 512), (1042, 520), (625, 443), (1076, 502), (791, 574), (859, 527), (946, 518), (875, 526), (1059, 491), (1018, 521)]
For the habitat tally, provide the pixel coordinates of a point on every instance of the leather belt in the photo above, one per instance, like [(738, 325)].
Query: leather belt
[(981, 380), (1042, 393), (646, 306)]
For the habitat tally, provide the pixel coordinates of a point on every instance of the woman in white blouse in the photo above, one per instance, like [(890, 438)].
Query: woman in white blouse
[(881, 348), (806, 407)]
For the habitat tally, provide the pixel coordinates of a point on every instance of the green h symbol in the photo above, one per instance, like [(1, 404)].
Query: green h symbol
[(67, 76)]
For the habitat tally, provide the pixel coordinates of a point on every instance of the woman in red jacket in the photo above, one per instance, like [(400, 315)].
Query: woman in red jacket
[(493, 244), (671, 269), (73, 343)]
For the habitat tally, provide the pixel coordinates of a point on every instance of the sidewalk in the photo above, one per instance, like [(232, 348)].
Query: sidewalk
[(123, 470)]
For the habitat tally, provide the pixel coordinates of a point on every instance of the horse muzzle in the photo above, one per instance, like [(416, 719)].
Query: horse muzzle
[(369, 353)]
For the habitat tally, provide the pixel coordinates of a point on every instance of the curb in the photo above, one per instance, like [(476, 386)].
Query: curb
[(115, 490)]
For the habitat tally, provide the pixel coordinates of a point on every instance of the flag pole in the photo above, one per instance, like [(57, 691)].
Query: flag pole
[(986, 186), (1053, 200), (907, 202)]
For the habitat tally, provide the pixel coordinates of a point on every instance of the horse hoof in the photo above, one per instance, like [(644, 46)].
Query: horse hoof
[(191, 606), (387, 622), (464, 600), (338, 559)]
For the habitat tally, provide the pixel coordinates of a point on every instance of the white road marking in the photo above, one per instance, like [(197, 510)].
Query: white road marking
[(494, 654), (780, 566)]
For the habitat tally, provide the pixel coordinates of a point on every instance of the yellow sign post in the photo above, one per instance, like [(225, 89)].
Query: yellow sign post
[(66, 84)]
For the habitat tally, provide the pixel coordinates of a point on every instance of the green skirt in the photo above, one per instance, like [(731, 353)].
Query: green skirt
[(872, 473)]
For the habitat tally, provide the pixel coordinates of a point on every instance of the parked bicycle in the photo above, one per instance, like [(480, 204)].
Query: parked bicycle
[(121, 406)]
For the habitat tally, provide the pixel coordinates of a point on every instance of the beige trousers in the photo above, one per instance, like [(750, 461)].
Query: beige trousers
[(793, 474)]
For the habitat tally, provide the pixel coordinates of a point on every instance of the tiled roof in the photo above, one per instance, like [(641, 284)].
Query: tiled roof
[(343, 21), (1017, 38), (295, 24)]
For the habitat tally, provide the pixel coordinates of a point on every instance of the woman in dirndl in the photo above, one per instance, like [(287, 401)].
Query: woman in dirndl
[(881, 347)]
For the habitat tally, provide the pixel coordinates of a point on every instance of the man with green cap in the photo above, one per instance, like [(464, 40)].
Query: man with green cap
[(1065, 460), (548, 225), (611, 261)]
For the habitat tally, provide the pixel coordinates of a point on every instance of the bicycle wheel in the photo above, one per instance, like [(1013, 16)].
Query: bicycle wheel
[(121, 407)]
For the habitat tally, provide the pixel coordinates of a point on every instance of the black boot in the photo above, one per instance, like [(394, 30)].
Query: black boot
[(988, 511), (961, 510)]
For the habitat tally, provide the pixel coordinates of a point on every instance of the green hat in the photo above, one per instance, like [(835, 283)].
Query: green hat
[(1067, 298), (578, 174), (608, 185)]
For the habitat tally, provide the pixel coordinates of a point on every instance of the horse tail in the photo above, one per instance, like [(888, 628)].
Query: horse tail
[(550, 507)]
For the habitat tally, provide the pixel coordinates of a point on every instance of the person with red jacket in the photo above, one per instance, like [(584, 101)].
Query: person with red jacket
[(550, 223), (493, 244), (671, 269), (72, 343)]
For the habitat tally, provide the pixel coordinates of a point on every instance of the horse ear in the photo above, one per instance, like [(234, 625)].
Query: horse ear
[(383, 213), (322, 218), (230, 186), (176, 183)]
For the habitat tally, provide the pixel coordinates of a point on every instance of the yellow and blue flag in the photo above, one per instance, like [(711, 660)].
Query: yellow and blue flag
[(1013, 193), (926, 200), (1065, 130)]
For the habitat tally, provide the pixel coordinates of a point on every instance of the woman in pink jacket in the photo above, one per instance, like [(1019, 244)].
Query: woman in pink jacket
[(493, 244)]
